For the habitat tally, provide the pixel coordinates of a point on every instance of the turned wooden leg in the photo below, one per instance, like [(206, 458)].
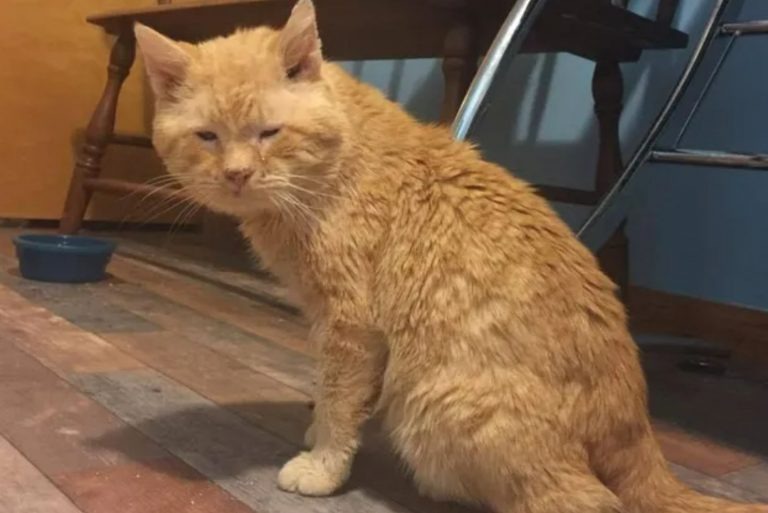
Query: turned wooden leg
[(608, 93), (97, 134), (459, 68)]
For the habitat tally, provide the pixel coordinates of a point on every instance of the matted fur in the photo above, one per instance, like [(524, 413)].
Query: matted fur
[(442, 291)]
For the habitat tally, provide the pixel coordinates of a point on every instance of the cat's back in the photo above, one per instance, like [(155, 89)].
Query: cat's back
[(460, 223), (462, 245)]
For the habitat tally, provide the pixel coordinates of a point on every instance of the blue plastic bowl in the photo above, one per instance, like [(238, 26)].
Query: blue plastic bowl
[(63, 258)]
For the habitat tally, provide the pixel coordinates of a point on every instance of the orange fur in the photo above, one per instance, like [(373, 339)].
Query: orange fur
[(443, 292)]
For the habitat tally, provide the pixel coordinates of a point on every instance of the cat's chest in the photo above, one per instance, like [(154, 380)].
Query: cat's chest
[(286, 256)]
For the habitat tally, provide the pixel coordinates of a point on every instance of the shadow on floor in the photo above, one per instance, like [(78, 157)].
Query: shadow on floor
[(731, 409), (221, 444), (223, 447)]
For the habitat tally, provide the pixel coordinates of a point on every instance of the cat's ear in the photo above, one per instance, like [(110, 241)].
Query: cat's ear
[(300, 43), (165, 60)]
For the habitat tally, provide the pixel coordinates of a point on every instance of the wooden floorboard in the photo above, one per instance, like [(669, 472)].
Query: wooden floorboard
[(78, 305), (279, 409), (160, 391), (713, 486), (239, 457), (24, 489), (261, 320), (53, 424), (271, 358), (56, 342), (165, 486), (753, 478), (62, 432), (698, 453), (255, 285)]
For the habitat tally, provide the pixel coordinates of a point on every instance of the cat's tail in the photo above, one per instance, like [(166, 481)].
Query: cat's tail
[(638, 474)]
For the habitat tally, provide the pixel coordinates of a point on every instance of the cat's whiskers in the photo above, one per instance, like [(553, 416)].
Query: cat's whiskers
[(323, 184), (310, 192), (178, 196), (281, 203), (311, 179), (295, 206), (165, 184), (168, 204), (294, 198), (187, 213), (171, 195), (274, 183)]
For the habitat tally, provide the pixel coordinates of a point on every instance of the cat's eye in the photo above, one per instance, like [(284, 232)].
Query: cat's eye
[(207, 136), (266, 134), (293, 71)]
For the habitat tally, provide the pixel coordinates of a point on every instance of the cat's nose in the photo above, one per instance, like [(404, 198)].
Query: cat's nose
[(237, 177)]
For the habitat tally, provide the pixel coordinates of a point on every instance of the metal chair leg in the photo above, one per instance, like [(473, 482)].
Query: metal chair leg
[(613, 208), (508, 41)]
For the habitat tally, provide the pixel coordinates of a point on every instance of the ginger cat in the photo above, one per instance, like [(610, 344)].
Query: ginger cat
[(442, 291)]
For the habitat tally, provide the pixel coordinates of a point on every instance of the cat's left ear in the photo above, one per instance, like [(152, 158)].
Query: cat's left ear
[(300, 43), (165, 60)]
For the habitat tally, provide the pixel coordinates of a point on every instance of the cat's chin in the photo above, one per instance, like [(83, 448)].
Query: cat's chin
[(240, 208), (243, 205)]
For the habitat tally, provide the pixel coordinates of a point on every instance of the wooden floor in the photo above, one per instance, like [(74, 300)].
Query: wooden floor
[(180, 385)]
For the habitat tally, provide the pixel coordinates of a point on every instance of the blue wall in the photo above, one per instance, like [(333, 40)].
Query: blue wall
[(693, 231)]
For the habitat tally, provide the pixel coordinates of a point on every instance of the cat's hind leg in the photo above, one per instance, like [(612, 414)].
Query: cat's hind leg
[(548, 489), (562, 491), (501, 439)]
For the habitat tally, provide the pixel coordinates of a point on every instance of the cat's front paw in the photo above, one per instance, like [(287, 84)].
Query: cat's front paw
[(314, 474)]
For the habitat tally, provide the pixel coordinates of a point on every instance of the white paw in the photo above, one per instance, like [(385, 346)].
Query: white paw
[(310, 436), (313, 474)]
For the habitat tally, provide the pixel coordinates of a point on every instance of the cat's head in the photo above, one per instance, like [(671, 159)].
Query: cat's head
[(246, 122)]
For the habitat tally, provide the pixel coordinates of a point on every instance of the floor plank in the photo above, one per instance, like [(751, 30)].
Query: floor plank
[(261, 320), (216, 385), (754, 479), (62, 431), (205, 298), (249, 281), (711, 486), (148, 396), (54, 425), (264, 355), (165, 486), (728, 409), (54, 341), (700, 454), (23, 489), (260, 399), (77, 305), (292, 368)]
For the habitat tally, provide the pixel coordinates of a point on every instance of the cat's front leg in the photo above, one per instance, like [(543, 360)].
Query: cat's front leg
[(310, 435), (351, 365)]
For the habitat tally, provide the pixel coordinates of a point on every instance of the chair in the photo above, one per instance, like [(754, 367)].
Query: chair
[(458, 31)]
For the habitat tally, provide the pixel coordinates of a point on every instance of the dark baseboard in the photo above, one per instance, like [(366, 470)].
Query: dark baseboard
[(742, 330)]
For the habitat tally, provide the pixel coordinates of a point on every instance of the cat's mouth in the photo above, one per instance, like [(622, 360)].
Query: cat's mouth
[(219, 196), (247, 198)]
